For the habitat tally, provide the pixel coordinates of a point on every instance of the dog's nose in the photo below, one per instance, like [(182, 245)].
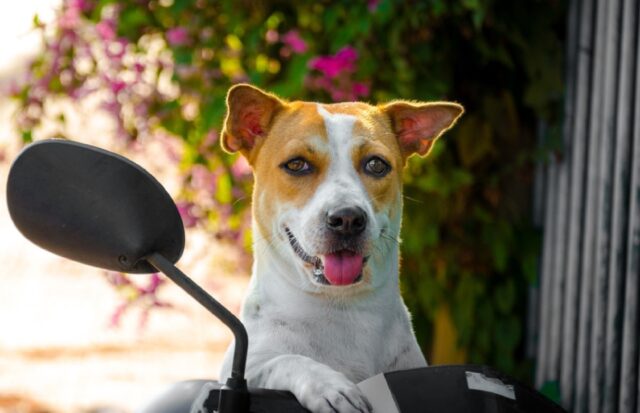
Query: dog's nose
[(347, 221)]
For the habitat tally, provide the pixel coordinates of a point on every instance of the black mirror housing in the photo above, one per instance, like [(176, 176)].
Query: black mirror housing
[(92, 206)]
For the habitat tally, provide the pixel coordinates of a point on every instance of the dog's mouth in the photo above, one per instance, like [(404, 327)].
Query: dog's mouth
[(341, 267)]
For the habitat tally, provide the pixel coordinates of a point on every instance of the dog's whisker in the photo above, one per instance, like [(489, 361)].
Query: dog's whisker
[(272, 242), (389, 237), (408, 198)]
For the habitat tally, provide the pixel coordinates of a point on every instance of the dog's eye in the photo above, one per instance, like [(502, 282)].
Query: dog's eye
[(297, 166), (376, 167)]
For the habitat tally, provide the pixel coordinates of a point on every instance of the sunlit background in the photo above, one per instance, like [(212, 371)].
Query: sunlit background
[(59, 348)]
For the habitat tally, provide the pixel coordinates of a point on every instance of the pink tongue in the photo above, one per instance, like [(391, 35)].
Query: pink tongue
[(342, 267)]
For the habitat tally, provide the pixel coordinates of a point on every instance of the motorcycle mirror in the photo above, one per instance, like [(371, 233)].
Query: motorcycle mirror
[(92, 206), (99, 208)]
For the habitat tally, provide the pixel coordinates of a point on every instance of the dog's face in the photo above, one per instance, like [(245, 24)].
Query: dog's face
[(328, 185)]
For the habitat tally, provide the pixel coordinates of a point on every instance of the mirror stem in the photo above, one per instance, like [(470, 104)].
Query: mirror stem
[(215, 308)]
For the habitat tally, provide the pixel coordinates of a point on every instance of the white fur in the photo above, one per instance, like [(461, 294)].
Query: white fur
[(317, 340)]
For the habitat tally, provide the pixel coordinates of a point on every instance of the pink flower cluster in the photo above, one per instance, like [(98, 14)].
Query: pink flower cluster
[(72, 12), (336, 75), (186, 210), (136, 295), (178, 36), (106, 29), (333, 65), (294, 42)]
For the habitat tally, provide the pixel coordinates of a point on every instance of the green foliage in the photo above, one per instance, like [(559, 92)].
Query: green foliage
[(551, 389), (470, 243)]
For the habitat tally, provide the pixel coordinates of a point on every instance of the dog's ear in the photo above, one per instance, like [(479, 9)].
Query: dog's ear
[(418, 125), (249, 115)]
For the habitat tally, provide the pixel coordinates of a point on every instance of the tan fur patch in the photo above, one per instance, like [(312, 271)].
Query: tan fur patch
[(297, 131)]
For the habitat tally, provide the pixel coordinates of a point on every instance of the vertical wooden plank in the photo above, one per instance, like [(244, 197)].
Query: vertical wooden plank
[(620, 202), (557, 277), (533, 297), (603, 233), (588, 224), (580, 140), (629, 369), (547, 265), (630, 331)]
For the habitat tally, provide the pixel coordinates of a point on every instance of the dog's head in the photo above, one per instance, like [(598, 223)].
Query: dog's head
[(328, 184)]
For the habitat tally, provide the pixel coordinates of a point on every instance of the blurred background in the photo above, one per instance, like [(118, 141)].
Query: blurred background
[(147, 79)]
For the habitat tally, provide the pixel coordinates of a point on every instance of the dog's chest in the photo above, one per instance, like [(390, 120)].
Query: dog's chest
[(356, 343)]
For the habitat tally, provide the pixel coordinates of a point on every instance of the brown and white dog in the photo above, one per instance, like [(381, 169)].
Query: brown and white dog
[(323, 310)]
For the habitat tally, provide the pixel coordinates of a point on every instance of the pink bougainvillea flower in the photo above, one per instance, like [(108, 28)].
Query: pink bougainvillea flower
[(115, 50), (293, 39), (271, 36), (136, 295), (117, 279), (70, 19), (106, 30), (240, 168), (203, 179), (116, 85), (347, 55), (372, 5), (154, 283), (208, 145), (211, 137), (172, 145), (333, 65), (185, 209), (138, 67), (80, 5), (360, 89), (116, 317), (336, 75), (178, 36)]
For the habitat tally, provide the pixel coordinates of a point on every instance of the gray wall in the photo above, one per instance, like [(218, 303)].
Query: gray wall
[(585, 333)]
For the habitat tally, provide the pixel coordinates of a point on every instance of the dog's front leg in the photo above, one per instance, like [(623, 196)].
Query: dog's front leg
[(317, 387)]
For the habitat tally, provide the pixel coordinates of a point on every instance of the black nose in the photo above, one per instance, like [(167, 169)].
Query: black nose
[(347, 221)]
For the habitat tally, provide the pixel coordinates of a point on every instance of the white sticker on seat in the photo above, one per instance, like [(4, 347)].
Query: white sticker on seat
[(379, 395), (478, 381)]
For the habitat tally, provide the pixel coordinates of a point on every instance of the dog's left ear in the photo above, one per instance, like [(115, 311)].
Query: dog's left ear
[(250, 112), (418, 125)]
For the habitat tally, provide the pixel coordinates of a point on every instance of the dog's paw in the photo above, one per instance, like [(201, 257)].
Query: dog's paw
[(332, 393)]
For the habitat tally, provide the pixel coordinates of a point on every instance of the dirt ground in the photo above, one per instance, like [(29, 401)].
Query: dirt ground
[(57, 351)]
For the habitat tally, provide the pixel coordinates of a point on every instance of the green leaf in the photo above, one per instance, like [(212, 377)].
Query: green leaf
[(131, 20), (27, 136), (223, 192), (183, 56)]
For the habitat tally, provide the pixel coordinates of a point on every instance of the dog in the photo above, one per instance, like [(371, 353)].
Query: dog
[(323, 310)]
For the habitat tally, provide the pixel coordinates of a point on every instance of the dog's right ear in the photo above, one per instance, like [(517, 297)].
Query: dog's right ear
[(250, 112), (418, 124)]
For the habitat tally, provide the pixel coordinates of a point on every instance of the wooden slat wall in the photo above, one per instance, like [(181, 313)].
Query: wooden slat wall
[(587, 326)]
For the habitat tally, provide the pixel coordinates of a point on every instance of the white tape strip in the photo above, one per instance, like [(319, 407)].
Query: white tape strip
[(478, 381), (379, 395)]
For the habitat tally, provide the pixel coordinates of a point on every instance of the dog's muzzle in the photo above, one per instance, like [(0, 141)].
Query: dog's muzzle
[(338, 267)]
